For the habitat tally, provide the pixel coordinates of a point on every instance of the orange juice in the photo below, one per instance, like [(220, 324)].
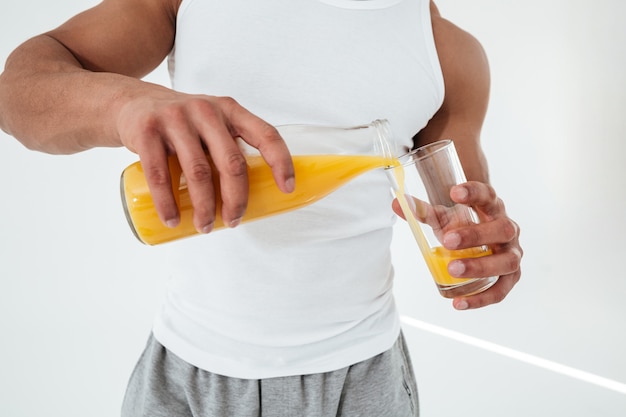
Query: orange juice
[(439, 258), (316, 176)]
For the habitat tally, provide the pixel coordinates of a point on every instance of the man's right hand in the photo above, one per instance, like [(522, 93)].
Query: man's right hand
[(191, 127)]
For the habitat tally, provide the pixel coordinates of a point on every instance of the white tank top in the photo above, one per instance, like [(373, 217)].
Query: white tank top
[(312, 290)]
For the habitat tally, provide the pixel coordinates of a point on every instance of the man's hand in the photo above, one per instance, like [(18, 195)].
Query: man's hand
[(497, 231), (191, 127)]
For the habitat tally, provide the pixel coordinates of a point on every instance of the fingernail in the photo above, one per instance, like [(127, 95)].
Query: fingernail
[(452, 240), (234, 223), (290, 184), (171, 223), (207, 229), (461, 305), (456, 268), (460, 193)]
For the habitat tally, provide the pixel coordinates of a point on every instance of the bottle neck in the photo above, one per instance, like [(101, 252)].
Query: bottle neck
[(384, 143)]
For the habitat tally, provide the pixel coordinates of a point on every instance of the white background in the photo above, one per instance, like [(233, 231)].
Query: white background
[(78, 293)]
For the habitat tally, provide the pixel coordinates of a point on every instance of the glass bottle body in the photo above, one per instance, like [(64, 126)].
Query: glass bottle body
[(322, 161)]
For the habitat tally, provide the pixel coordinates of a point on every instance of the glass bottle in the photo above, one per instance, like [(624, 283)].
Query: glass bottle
[(324, 158)]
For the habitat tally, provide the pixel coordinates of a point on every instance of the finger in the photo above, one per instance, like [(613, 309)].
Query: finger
[(264, 137), (482, 197), (419, 209), (493, 295), (500, 231), (503, 262), (395, 206), (154, 162), (199, 178), (229, 162)]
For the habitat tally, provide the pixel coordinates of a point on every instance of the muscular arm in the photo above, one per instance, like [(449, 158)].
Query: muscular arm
[(61, 92), (78, 87), (466, 76), (467, 80)]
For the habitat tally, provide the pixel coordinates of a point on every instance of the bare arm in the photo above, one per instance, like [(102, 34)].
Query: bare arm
[(78, 87), (466, 75), (467, 82), (61, 92)]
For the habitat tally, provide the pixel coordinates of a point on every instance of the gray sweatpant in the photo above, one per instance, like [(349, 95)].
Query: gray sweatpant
[(163, 385)]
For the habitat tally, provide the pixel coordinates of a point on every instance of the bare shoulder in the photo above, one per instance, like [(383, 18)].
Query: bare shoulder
[(129, 37), (467, 83), (463, 60)]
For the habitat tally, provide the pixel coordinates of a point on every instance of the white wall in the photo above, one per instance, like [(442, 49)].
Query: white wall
[(554, 133), (78, 293)]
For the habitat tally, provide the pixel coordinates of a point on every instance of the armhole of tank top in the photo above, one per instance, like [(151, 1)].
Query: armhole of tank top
[(184, 5), (429, 37), (171, 57)]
